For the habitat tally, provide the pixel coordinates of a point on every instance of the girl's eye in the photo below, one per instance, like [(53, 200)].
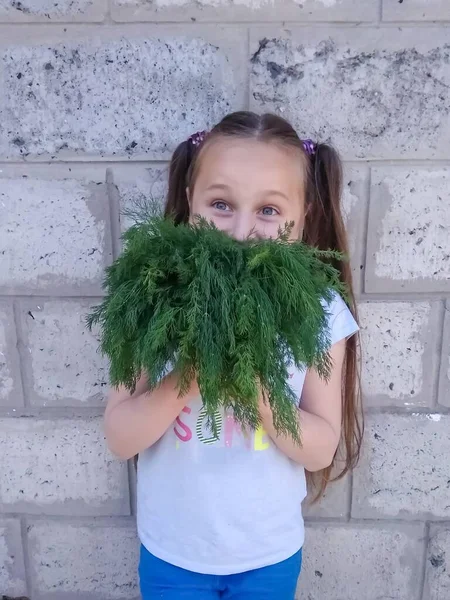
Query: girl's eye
[(220, 205), (269, 211)]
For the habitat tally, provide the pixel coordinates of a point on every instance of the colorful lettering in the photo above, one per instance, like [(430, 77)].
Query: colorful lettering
[(231, 427), (261, 439), (212, 439), (186, 435)]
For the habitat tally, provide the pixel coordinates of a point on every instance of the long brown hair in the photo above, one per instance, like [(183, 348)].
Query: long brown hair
[(324, 229)]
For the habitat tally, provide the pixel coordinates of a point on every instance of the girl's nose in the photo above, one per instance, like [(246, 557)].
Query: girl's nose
[(244, 226)]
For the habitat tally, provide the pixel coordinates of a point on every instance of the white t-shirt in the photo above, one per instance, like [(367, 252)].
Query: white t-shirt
[(229, 504)]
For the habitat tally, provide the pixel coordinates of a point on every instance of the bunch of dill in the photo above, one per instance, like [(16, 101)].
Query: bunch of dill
[(232, 314)]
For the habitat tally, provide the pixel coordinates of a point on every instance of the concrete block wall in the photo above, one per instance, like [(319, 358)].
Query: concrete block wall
[(94, 95)]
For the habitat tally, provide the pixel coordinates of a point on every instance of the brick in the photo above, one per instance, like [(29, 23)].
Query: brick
[(335, 503), (64, 247), (354, 203), (374, 94), (362, 561), (23, 11), (12, 568), (437, 578), (404, 470), (92, 561), (139, 187), (60, 467), (10, 383), (119, 97), (416, 10), (244, 10), (400, 352), (408, 247), (444, 383), (62, 359)]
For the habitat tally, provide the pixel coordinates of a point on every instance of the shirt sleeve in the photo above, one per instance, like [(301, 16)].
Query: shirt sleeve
[(341, 323)]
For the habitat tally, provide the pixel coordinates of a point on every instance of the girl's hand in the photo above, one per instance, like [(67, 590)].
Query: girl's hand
[(135, 422), (319, 417)]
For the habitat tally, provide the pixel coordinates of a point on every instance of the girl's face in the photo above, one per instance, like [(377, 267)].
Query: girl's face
[(249, 188)]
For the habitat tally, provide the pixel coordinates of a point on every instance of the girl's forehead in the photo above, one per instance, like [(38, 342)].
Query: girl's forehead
[(236, 158)]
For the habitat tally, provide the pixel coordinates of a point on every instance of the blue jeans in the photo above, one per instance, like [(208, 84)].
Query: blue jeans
[(162, 581)]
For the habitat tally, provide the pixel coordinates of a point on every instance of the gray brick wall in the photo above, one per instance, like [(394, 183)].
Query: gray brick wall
[(94, 95)]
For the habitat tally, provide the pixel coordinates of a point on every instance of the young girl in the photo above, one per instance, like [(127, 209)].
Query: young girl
[(220, 517)]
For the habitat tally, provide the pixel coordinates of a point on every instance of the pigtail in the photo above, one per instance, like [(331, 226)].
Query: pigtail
[(324, 226), (325, 229), (177, 203)]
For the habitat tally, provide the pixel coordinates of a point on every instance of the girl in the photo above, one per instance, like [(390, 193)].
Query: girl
[(220, 517)]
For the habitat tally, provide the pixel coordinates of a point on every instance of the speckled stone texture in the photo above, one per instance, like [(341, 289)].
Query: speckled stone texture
[(59, 467), (73, 560), (362, 561), (354, 209), (54, 234), (409, 230), (444, 384), (374, 94), (401, 353), (114, 98), (245, 10), (437, 584), (404, 473), (12, 567), (416, 10), (61, 356), (46, 11), (10, 380)]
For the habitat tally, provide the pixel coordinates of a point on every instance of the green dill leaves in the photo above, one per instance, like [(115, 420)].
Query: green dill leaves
[(234, 314)]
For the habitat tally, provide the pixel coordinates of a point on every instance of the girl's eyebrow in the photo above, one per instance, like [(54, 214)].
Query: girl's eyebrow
[(276, 193), (217, 186)]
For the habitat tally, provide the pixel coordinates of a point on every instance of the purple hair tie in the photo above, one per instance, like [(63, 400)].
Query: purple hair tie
[(309, 146), (198, 138)]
